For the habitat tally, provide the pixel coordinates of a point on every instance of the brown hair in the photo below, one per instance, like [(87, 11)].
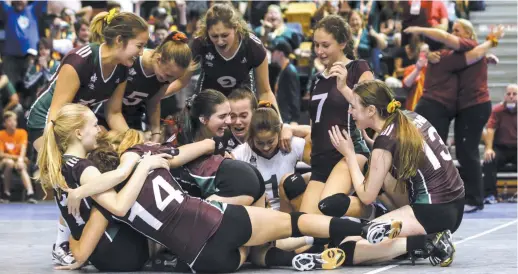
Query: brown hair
[(341, 31), (243, 94), (175, 48), (56, 139), (8, 114), (106, 27), (104, 158), (265, 117), (226, 14), (409, 149)]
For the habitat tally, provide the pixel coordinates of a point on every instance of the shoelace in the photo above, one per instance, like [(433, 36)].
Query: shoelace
[(434, 260)]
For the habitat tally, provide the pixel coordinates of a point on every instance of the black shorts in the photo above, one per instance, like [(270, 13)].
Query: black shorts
[(129, 251), (236, 178), (133, 122), (34, 134), (221, 253), (439, 217)]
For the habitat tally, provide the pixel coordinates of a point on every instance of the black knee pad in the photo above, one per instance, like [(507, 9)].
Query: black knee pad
[(262, 184), (295, 232), (294, 186), (348, 247), (335, 205)]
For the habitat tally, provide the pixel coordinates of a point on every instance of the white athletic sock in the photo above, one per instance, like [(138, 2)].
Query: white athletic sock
[(63, 234), (309, 240)]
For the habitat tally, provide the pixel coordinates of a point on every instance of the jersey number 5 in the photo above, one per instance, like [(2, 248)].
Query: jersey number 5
[(136, 96), (322, 97), (445, 154), (161, 204)]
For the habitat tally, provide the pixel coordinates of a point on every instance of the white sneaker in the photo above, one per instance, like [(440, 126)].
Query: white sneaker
[(62, 255)]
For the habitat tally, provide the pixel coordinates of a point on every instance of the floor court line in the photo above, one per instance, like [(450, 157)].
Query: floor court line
[(456, 243)]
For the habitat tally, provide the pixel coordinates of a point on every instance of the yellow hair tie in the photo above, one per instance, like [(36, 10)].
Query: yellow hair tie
[(264, 103), (111, 15), (393, 105)]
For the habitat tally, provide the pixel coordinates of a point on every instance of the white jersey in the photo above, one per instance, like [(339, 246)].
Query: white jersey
[(272, 169)]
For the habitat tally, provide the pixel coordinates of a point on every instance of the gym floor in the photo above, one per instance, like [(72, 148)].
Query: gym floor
[(486, 242)]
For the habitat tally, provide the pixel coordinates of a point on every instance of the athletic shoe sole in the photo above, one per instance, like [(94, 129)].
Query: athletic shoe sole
[(329, 259)]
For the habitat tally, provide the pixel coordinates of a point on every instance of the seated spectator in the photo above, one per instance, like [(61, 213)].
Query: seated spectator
[(367, 42), (41, 71), (500, 141), (160, 33), (287, 86), (273, 29), (82, 29), (390, 25), (13, 147), (9, 99), (414, 77)]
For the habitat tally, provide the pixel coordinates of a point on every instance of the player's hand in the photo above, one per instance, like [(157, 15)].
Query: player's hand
[(489, 155), (157, 161), (434, 57), (229, 155), (492, 59), (285, 138), (342, 141), (73, 266), (498, 31), (74, 198), (339, 71)]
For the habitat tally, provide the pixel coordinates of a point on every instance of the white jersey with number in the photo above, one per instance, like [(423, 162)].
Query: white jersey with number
[(274, 168)]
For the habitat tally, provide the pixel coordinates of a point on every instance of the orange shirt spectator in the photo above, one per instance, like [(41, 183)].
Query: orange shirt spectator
[(415, 90), (11, 143)]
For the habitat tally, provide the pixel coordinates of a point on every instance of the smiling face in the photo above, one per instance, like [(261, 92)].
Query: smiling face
[(266, 142), (327, 49), (222, 37), (88, 134), (241, 115), (355, 21), (361, 115), (219, 121), (460, 31), (167, 72), (133, 49)]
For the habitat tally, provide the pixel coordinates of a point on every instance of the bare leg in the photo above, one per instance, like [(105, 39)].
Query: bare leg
[(26, 179), (311, 197), (8, 165)]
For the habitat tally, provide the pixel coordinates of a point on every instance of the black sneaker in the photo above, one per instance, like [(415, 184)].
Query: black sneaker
[(30, 199), (5, 198), (443, 250), (375, 232), (165, 261)]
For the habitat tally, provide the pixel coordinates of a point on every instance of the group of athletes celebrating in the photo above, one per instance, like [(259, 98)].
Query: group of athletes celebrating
[(223, 189)]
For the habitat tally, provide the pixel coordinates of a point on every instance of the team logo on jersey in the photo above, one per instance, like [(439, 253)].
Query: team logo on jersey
[(132, 72), (243, 61), (117, 81), (253, 161), (93, 78), (23, 22), (209, 56), (227, 81), (210, 64), (231, 143), (91, 86)]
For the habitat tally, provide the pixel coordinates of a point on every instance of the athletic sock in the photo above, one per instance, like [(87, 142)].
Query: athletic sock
[(341, 228), (278, 257), (63, 234)]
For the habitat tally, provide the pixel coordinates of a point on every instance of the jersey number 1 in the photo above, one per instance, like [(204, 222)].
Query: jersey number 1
[(161, 204)]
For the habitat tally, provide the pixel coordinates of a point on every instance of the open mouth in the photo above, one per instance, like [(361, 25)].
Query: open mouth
[(238, 130), (223, 47)]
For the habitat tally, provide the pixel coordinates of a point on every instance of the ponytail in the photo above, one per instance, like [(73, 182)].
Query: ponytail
[(107, 26), (50, 162)]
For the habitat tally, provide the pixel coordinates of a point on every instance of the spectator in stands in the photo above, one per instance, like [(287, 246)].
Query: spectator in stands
[(273, 29), (160, 33), (13, 147), (39, 74), (367, 42), (407, 55), (82, 28), (21, 30), (414, 77), (9, 99), (500, 140), (287, 86)]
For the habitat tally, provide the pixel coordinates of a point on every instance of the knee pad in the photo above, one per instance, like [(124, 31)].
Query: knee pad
[(335, 205), (348, 247), (262, 184), (295, 232), (294, 186)]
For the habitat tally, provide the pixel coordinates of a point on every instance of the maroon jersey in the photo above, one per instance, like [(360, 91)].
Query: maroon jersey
[(224, 74), (328, 107), (165, 213), (437, 180), (93, 87), (504, 122)]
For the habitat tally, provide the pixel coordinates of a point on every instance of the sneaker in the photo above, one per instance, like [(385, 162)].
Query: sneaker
[(442, 249), (62, 255), (165, 261), (5, 198), (31, 200), (472, 208), (490, 200), (329, 259), (375, 232)]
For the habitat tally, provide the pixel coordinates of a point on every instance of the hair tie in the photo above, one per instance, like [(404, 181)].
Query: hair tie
[(393, 105), (265, 104), (53, 122), (108, 19), (179, 36), (190, 100)]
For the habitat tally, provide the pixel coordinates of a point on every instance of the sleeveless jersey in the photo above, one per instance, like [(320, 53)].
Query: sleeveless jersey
[(164, 213), (224, 74), (437, 180), (72, 169), (274, 168), (93, 88), (328, 107), (139, 88)]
